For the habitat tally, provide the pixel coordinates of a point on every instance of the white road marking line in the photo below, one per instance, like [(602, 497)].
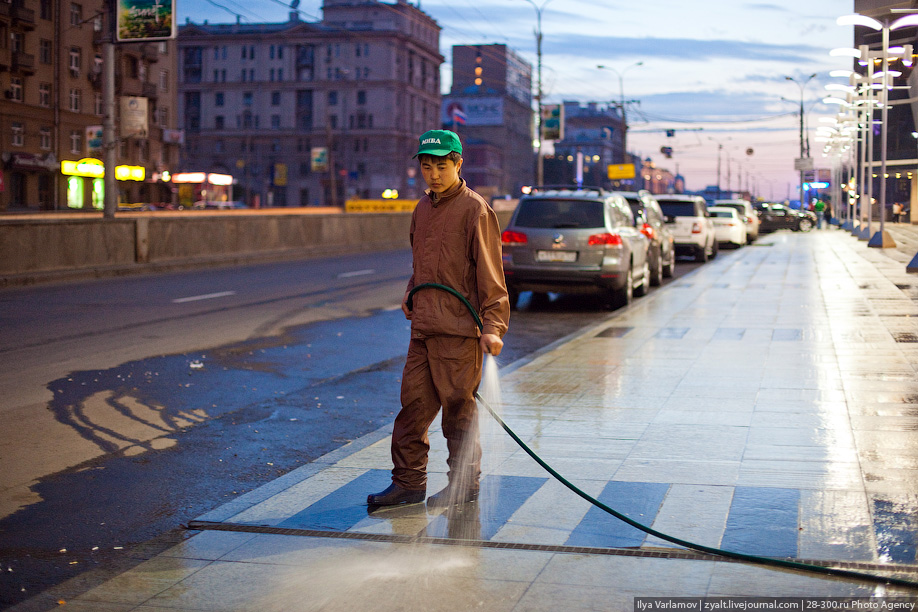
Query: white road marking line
[(209, 296), (355, 273)]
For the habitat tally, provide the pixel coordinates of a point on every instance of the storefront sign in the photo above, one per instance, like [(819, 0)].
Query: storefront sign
[(93, 168), (29, 161), (140, 20)]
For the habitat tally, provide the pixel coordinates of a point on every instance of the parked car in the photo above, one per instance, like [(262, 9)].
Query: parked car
[(648, 218), (747, 214), (575, 241), (692, 227), (728, 227), (778, 216)]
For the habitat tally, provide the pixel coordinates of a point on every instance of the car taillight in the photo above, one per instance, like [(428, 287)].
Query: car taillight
[(647, 230), (748, 219), (696, 228), (605, 239), (511, 237)]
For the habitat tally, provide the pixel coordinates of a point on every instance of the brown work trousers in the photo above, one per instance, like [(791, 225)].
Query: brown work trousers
[(440, 371)]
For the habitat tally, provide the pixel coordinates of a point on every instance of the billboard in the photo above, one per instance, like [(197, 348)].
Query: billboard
[(145, 20), (133, 117), (552, 123), (474, 111)]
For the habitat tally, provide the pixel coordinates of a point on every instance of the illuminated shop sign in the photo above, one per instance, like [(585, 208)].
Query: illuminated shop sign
[(93, 168), (202, 177)]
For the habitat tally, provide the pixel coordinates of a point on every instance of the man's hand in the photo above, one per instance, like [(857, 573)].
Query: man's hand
[(491, 344), (405, 306)]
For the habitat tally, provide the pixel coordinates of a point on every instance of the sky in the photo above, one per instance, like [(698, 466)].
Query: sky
[(712, 70)]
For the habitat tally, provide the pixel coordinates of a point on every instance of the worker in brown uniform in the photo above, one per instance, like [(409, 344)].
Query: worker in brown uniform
[(455, 242)]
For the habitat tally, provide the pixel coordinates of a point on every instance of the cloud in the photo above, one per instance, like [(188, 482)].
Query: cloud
[(679, 49)]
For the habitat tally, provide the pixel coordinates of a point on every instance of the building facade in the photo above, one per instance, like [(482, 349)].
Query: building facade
[(310, 114), (51, 110), (490, 107), (593, 131)]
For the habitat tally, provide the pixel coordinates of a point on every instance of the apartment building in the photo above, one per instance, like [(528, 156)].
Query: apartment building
[(490, 106), (51, 109), (311, 113)]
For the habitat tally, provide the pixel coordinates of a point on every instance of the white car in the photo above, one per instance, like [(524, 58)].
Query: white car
[(728, 227), (747, 213), (692, 227)]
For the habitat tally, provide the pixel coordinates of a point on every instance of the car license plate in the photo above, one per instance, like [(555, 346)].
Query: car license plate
[(563, 256)]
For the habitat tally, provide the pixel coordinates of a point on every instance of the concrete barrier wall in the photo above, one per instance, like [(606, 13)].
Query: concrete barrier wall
[(35, 249)]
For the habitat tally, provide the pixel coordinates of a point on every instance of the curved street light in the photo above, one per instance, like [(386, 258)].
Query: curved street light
[(621, 105)]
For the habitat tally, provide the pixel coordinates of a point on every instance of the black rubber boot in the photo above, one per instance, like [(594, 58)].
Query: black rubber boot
[(394, 495)]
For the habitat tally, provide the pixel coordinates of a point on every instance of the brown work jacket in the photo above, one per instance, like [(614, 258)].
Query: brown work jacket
[(455, 241)]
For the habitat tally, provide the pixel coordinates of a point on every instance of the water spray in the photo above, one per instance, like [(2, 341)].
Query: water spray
[(767, 561)]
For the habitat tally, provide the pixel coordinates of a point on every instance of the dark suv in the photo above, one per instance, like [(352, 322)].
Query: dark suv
[(575, 241), (650, 221)]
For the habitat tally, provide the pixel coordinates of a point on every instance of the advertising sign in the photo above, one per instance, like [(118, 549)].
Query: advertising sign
[(620, 171), (133, 117), (93, 140), (552, 124), (143, 20), (473, 111), (319, 158)]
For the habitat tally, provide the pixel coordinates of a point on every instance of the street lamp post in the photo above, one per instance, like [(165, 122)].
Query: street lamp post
[(804, 153), (882, 239), (621, 105), (540, 168)]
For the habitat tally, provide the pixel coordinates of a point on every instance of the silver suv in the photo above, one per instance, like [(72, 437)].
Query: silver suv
[(692, 227), (575, 241)]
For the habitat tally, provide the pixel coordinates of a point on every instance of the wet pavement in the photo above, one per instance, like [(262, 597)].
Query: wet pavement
[(766, 403)]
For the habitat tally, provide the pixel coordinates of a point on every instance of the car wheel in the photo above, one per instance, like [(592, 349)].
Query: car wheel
[(539, 299), (701, 255), (644, 287), (804, 225), (624, 295), (656, 274), (670, 267)]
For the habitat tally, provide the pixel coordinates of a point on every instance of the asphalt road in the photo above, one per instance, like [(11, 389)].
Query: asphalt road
[(134, 405)]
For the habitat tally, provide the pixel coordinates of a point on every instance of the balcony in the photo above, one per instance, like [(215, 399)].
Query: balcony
[(150, 53), (23, 17), (95, 79), (5, 8), (150, 90), (23, 63)]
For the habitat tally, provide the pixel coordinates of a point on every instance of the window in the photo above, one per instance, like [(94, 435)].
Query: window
[(16, 89), (361, 97), (219, 98), (162, 113), (247, 98), (252, 74), (216, 53), (45, 10), (44, 51), (164, 80), (75, 99), (98, 108), (242, 76), (275, 122), (76, 14), (18, 139), (219, 146), (275, 98), (245, 51), (216, 76), (280, 52), (17, 42), (271, 52), (76, 141), (44, 94), (219, 122), (44, 138), (333, 98), (75, 61)]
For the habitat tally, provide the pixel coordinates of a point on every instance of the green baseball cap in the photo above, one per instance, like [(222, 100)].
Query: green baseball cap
[(439, 143)]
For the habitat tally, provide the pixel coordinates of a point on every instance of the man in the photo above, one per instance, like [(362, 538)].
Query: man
[(455, 242)]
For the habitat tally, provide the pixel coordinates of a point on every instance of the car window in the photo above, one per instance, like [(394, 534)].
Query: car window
[(720, 213), (560, 213), (678, 209)]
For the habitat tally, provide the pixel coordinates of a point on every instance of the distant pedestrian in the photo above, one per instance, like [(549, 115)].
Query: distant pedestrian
[(827, 213), (896, 211), (819, 207)]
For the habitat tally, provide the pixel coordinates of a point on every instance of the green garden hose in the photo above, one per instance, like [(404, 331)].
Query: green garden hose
[(770, 561)]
